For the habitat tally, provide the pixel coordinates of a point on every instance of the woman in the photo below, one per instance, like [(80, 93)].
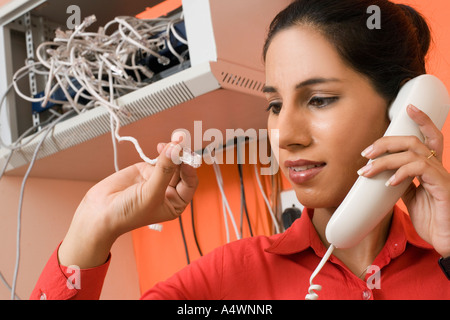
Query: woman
[(329, 81)]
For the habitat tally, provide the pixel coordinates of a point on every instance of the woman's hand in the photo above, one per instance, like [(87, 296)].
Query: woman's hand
[(429, 203), (137, 196)]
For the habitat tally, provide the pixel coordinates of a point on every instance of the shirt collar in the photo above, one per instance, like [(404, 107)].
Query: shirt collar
[(297, 238), (302, 235)]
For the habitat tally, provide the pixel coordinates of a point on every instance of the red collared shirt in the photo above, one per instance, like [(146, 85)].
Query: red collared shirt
[(279, 267)]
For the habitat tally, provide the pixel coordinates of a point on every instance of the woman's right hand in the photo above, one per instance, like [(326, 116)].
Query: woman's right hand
[(137, 196)]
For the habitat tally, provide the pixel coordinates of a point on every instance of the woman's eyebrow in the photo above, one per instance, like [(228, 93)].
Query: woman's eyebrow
[(269, 89), (306, 83), (314, 81)]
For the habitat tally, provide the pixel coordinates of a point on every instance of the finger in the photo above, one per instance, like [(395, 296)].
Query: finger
[(415, 169), (160, 147), (175, 178), (189, 175), (388, 162), (396, 161), (164, 171), (395, 144), (180, 137), (122, 179), (433, 139), (188, 183), (433, 136)]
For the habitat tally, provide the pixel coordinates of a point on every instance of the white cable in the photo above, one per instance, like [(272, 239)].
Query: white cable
[(126, 24), (5, 166), (70, 62), (19, 211), (224, 198), (69, 98), (311, 294), (115, 152), (225, 221), (8, 286), (169, 43), (18, 143), (70, 66), (49, 83), (129, 139), (274, 219), (176, 35)]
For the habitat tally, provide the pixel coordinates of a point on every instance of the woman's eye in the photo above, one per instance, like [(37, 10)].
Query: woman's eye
[(321, 102), (274, 107)]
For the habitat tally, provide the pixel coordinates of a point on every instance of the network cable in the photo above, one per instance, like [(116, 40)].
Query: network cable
[(244, 202), (225, 204), (180, 221), (194, 229), (272, 215), (85, 70), (19, 211)]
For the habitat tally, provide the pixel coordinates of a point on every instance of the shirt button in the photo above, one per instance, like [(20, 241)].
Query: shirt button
[(43, 296), (366, 294)]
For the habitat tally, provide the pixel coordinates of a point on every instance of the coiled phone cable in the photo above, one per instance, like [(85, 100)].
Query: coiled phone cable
[(312, 295)]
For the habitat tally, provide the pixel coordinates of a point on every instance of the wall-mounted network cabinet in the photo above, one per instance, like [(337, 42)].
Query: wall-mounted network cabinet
[(221, 86)]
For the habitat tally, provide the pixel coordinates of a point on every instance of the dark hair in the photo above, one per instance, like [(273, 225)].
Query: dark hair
[(387, 56)]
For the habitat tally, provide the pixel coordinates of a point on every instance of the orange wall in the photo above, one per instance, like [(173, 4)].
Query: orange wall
[(160, 9), (437, 12), (160, 254)]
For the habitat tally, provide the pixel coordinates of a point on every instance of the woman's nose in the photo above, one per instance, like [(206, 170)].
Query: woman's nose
[(294, 128)]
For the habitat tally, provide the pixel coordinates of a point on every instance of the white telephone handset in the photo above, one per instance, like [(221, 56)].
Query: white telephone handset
[(370, 200)]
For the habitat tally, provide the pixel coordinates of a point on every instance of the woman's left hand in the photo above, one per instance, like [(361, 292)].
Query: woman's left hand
[(429, 203)]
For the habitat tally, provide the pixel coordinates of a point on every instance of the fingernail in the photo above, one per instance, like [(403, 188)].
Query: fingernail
[(413, 108), (160, 147), (169, 150), (365, 170), (367, 151), (178, 137), (389, 182)]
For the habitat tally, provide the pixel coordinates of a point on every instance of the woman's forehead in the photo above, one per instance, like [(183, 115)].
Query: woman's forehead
[(298, 54)]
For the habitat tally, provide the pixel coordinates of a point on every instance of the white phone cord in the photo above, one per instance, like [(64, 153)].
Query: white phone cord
[(311, 294)]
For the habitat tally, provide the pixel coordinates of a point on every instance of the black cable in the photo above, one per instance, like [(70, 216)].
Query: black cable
[(193, 228), (243, 201), (184, 240)]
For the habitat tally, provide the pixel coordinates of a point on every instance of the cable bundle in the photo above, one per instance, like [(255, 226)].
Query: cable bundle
[(87, 69)]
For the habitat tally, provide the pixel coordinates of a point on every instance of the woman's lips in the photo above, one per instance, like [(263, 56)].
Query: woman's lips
[(301, 171)]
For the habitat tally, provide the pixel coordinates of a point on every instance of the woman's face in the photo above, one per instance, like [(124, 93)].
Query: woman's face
[(326, 114)]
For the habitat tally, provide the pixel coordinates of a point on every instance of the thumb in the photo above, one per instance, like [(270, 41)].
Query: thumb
[(166, 167)]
